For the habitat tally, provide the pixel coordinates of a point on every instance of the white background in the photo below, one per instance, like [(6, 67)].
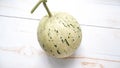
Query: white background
[(99, 21)]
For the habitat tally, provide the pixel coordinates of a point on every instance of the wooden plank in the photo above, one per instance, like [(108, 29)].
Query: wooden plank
[(15, 32), (31, 58), (20, 49), (93, 12), (94, 38)]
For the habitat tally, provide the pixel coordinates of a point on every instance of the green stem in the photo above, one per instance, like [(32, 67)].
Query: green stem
[(34, 8), (48, 11), (44, 3)]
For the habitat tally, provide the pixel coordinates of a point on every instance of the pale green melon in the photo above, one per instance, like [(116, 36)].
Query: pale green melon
[(59, 35)]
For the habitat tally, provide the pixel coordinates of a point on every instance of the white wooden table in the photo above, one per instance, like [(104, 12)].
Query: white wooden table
[(100, 24)]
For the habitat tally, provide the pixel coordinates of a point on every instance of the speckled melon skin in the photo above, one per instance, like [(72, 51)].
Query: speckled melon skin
[(59, 35)]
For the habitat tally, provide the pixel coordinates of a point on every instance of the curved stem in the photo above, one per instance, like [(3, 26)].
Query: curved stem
[(48, 11)]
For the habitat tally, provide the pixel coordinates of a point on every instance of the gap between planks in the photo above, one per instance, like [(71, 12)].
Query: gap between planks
[(39, 19)]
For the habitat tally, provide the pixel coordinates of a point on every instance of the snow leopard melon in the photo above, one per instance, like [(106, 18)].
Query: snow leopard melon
[(59, 35)]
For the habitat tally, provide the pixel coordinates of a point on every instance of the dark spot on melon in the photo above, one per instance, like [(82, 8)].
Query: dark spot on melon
[(48, 34), (53, 54), (62, 40), (50, 37), (43, 45), (68, 36), (60, 37), (64, 25), (55, 45), (56, 31), (78, 36), (67, 42), (58, 52), (50, 50), (78, 28), (49, 29), (73, 39), (68, 25), (72, 25)]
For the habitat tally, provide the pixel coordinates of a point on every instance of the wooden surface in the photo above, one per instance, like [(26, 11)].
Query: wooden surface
[(99, 21)]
